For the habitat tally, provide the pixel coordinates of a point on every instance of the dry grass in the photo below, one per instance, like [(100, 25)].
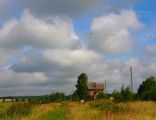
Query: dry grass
[(40, 110), (118, 111), (95, 110)]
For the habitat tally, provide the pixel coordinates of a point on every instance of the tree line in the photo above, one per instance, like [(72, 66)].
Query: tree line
[(146, 91)]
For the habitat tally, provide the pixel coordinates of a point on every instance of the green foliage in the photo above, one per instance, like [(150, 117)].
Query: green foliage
[(40, 99), (117, 96), (149, 95), (124, 95), (100, 96), (47, 98), (147, 90), (57, 97), (75, 96), (82, 86)]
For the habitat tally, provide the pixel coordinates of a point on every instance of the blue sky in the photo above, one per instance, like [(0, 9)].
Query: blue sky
[(45, 45)]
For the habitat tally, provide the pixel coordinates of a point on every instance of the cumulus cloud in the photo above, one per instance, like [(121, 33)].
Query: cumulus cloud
[(111, 33), (52, 68), (54, 59), (56, 33), (62, 68), (72, 58), (25, 66), (57, 70), (56, 56)]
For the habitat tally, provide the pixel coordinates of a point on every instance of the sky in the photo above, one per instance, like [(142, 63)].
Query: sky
[(46, 44)]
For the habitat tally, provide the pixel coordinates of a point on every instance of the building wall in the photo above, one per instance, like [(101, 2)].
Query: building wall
[(93, 92)]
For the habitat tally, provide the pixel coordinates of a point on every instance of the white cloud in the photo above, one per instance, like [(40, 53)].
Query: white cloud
[(47, 71), (12, 79), (111, 33), (58, 33), (72, 58), (56, 57), (61, 68)]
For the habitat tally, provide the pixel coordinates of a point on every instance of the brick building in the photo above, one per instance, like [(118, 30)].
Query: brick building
[(94, 89)]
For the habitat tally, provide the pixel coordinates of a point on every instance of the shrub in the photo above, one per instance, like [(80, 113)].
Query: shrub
[(124, 95), (117, 96), (100, 96)]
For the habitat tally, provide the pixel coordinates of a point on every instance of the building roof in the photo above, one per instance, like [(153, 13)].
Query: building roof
[(94, 85)]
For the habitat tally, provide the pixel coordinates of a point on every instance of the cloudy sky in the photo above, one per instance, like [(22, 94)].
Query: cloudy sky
[(46, 44)]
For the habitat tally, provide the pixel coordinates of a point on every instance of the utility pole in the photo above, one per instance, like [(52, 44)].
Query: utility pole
[(131, 72), (105, 87)]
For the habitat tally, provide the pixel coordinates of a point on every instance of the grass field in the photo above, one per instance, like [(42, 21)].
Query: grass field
[(95, 110)]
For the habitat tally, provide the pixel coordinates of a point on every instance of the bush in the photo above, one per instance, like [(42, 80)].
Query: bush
[(117, 96), (124, 95), (100, 96)]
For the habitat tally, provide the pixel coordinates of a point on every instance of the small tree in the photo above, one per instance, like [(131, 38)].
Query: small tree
[(117, 96), (124, 95), (57, 96), (82, 86)]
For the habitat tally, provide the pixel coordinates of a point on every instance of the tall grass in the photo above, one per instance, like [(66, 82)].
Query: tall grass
[(59, 113), (41, 110), (14, 111), (106, 110), (94, 110)]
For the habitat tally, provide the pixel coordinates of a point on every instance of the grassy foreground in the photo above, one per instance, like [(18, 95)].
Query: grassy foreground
[(95, 110)]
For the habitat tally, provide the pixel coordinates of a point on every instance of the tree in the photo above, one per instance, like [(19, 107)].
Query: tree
[(82, 86), (75, 96), (124, 95), (147, 89), (57, 96), (117, 96)]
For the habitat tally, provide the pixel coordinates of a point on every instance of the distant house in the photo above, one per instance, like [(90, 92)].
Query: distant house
[(94, 89)]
